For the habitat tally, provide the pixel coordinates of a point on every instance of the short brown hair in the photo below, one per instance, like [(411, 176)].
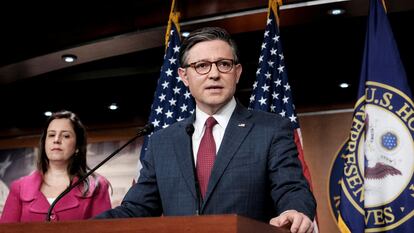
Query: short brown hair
[(206, 34)]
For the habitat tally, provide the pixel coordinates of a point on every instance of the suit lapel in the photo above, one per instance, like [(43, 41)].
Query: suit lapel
[(235, 133), (183, 150)]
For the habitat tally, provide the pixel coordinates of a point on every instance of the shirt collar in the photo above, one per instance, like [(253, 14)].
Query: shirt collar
[(222, 117)]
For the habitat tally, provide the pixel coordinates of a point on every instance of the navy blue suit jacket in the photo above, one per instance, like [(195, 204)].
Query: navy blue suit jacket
[(256, 172)]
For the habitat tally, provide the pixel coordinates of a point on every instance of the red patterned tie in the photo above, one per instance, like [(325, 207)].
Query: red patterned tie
[(206, 155)]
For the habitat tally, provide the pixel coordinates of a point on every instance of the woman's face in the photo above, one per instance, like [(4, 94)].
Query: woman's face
[(60, 143)]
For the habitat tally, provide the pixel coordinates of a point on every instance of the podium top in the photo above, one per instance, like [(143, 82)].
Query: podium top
[(188, 224)]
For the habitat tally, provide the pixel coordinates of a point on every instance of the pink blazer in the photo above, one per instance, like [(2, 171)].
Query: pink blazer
[(25, 202)]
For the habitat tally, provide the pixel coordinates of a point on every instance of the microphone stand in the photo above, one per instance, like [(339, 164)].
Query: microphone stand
[(144, 131)]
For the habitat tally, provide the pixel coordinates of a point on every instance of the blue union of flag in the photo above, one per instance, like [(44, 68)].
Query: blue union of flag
[(271, 90), (371, 184), (172, 100)]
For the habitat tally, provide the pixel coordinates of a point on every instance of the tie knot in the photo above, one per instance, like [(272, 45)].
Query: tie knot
[(210, 122)]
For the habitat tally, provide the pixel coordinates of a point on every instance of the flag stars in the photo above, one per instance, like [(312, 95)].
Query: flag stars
[(187, 94), (292, 118), (278, 82), (169, 72), (165, 84), (271, 63), (172, 60), (265, 87), (287, 87), (280, 68), (271, 89), (158, 110), (172, 102), (155, 123), (260, 58), (252, 97), (162, 97), (177, 90), (169, 114), (262, 101), (184, 108), (269, 21), (176, 49), (254, 85)]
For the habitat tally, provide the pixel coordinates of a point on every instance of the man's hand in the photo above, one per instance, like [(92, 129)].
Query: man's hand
[(298, 222)]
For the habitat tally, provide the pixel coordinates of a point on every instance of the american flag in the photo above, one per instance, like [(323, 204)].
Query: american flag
[(172, 100), (271, 90)]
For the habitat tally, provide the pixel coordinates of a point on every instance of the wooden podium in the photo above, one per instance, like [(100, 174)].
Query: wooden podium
[(187, 224)]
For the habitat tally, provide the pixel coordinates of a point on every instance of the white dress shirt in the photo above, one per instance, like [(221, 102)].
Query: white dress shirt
[(222, 117)]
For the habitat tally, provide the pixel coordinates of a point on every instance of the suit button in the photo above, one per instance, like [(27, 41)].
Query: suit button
[(53, 217)]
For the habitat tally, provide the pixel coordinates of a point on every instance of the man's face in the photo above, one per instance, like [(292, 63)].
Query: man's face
[(214, 89)]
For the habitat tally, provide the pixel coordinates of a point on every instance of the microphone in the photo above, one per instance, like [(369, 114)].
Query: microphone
[(190, 130), (147, 129)]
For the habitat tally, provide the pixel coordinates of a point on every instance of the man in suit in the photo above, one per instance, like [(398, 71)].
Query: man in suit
[(253, 169)]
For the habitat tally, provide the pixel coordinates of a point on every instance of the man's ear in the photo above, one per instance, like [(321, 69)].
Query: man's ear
[(239, 70), (183, 75)]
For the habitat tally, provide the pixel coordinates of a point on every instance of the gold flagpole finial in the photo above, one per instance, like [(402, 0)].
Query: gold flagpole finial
[(274, 6), (173, 18)]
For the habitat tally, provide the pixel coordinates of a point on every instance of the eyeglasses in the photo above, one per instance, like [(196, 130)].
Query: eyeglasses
[(203, 67)]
